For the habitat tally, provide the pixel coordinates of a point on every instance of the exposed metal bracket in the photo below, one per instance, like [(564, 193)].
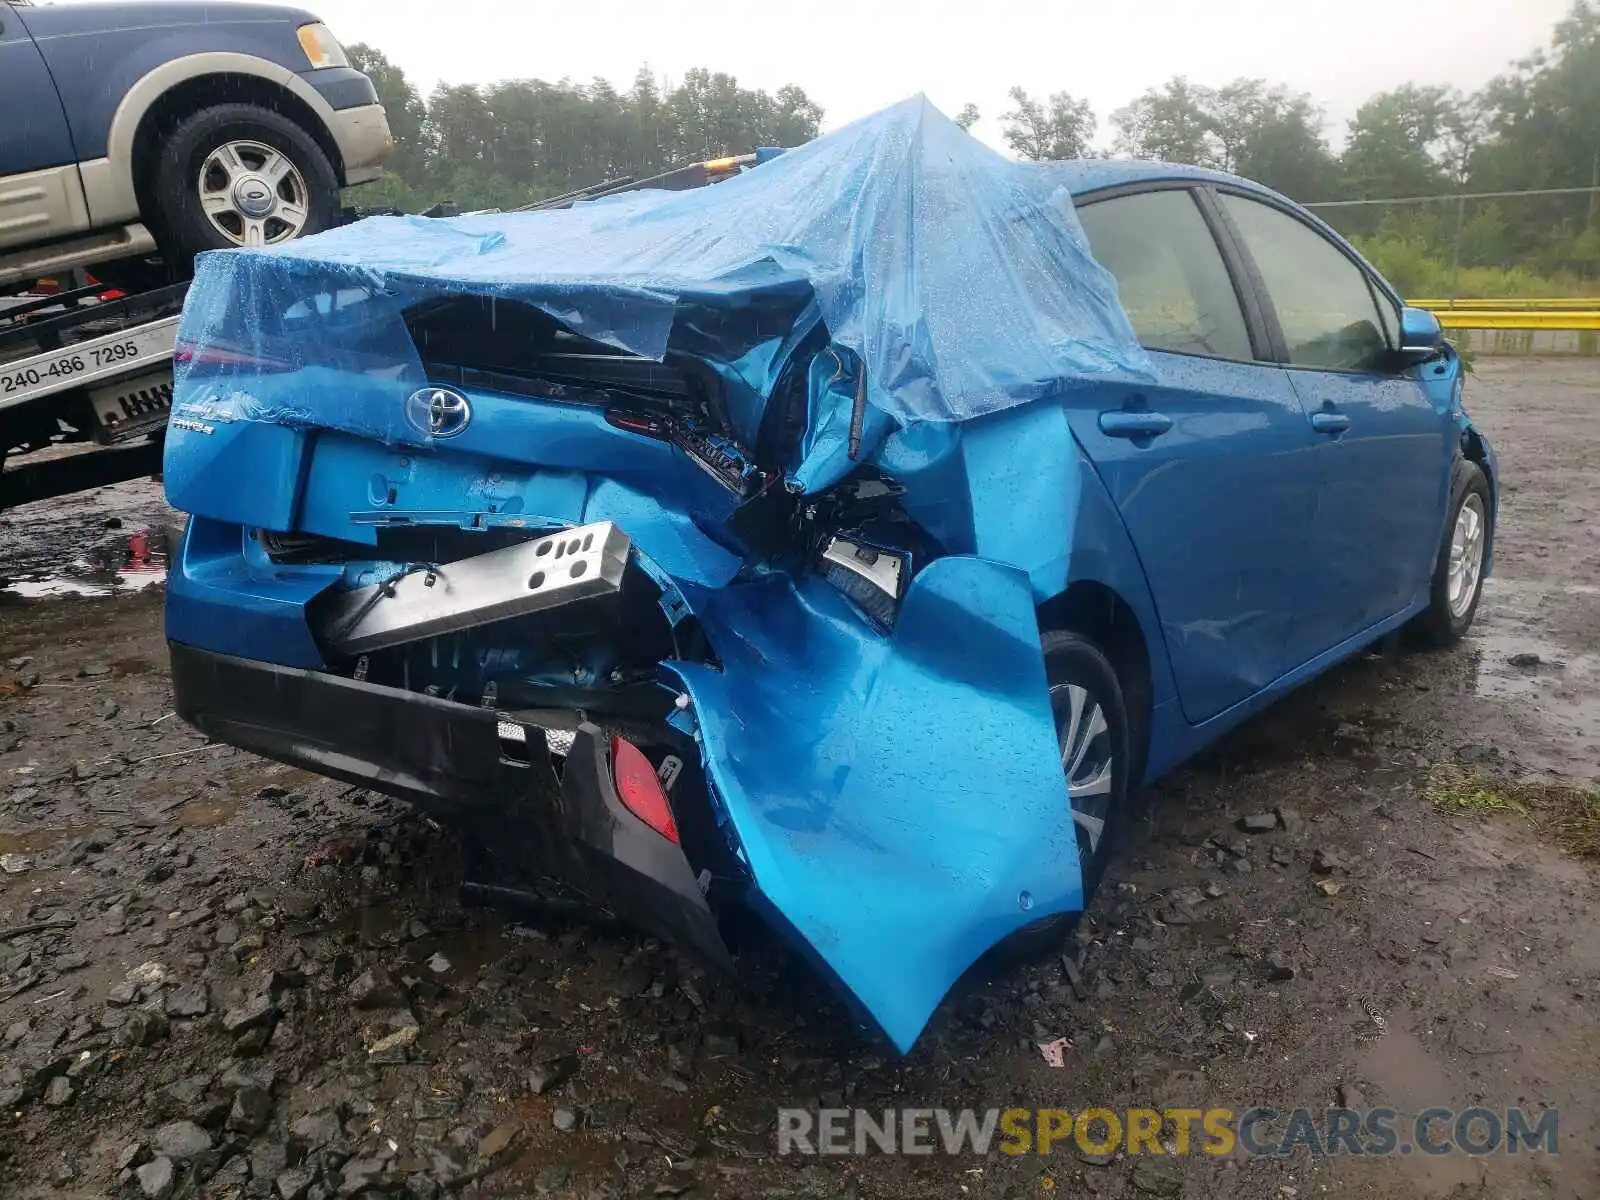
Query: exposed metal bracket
[(560, 568)]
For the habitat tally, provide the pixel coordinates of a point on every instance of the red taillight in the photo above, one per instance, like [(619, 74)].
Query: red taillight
[(639, 788), (111, 294), (636, 423), (189, 354)]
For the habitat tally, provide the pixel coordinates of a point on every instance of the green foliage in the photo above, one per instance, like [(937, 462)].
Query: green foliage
[(1567, 814), (1061, 127), (1396, 143), (1249, 127), (1416, 270), (1174, 123), (1536, 127), (506, 144)]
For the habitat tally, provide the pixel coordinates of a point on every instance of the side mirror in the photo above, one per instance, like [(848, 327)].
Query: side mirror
[(1421, 335)]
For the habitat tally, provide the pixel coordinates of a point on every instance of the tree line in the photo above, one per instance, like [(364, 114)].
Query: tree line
[(504, 144), (1535, 127)]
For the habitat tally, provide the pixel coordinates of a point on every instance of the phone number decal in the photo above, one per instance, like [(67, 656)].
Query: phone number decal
[(68, 365)]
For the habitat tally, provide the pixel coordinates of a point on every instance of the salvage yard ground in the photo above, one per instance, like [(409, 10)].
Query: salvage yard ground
[(266, 980)]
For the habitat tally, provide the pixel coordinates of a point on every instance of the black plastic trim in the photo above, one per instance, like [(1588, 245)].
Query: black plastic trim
[(521, 825)]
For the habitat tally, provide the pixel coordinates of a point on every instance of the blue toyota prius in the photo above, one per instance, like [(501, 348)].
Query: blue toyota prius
[(843, 541)]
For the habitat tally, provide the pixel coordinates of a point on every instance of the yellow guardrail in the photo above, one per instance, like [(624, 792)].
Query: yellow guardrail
[(1583, 322), (1510, 304), (1554, 314)]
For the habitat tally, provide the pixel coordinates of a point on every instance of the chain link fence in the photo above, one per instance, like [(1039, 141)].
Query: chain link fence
[(1528, 245)]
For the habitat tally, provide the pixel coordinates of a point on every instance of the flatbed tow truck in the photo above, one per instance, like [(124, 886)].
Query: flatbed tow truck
[(94, 366), (85, 365)]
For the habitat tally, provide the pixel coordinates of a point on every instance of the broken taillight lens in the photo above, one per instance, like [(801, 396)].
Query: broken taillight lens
[(190, 354), (639, 788)]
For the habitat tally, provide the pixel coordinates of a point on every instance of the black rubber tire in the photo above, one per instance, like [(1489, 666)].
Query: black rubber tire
[(1072, 658), (183, 230), (1436, 625)]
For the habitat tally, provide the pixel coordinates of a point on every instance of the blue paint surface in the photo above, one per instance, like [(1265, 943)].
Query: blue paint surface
[(900, 800)]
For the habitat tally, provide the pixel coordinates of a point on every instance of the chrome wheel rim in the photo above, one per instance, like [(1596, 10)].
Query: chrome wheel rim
[(252, 194), (1466, 555), (1087, 759)]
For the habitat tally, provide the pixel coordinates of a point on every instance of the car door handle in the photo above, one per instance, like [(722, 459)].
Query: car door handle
[(1329, 422), (1124, 423)]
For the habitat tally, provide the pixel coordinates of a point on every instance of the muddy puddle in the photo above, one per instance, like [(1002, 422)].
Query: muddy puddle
[(1528, 652), (105, 542), (448, 954), (32, 841), (120, 563)]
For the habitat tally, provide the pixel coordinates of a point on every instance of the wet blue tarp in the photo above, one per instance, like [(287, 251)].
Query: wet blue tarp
[(961, 278)]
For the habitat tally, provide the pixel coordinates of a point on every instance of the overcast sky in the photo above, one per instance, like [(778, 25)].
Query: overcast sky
[(855, 56)]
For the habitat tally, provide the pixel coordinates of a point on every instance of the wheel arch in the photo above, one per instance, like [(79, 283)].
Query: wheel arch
[(1104, 595), (1096, 610), (1475, 448), (117, 186)]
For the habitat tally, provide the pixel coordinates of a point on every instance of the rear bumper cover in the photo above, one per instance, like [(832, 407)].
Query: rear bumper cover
[(448, 760)]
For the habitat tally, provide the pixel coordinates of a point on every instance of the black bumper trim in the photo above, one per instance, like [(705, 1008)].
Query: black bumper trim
[(517, 820)]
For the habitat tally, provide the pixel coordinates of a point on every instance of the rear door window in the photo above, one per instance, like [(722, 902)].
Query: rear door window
[(1174, 285), (1325, 302)]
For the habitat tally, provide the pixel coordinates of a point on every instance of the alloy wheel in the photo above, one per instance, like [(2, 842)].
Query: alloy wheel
[(252, 194), (1087, 759), (1466, 555)]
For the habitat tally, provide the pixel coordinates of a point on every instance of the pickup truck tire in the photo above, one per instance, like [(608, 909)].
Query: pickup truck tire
[(238, 174)]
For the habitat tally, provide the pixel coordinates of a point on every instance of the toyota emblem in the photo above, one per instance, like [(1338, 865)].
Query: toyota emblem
[(438, 412)]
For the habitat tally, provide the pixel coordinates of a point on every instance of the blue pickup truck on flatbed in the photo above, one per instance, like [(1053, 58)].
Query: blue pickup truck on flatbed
[(133, 136), (128, 129)]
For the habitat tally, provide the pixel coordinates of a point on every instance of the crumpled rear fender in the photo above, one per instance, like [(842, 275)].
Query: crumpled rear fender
[(899, 800)]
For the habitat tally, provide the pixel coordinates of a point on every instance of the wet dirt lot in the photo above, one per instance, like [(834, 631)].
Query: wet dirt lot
[(219, 976)]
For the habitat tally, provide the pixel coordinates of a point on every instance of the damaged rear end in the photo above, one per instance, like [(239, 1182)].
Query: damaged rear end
[(457, 613), (612, 542)]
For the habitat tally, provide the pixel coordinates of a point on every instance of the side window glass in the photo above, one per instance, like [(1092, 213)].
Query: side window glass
[(1170, 274), (1324, 302)]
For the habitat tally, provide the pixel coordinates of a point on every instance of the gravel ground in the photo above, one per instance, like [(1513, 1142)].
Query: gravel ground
[(222, 977)]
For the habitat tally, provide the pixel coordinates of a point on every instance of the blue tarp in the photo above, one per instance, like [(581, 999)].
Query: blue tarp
[(961, 278)]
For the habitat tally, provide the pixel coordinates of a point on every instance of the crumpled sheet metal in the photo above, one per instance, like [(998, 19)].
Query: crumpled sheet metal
[(962, 279), (900, 801)]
